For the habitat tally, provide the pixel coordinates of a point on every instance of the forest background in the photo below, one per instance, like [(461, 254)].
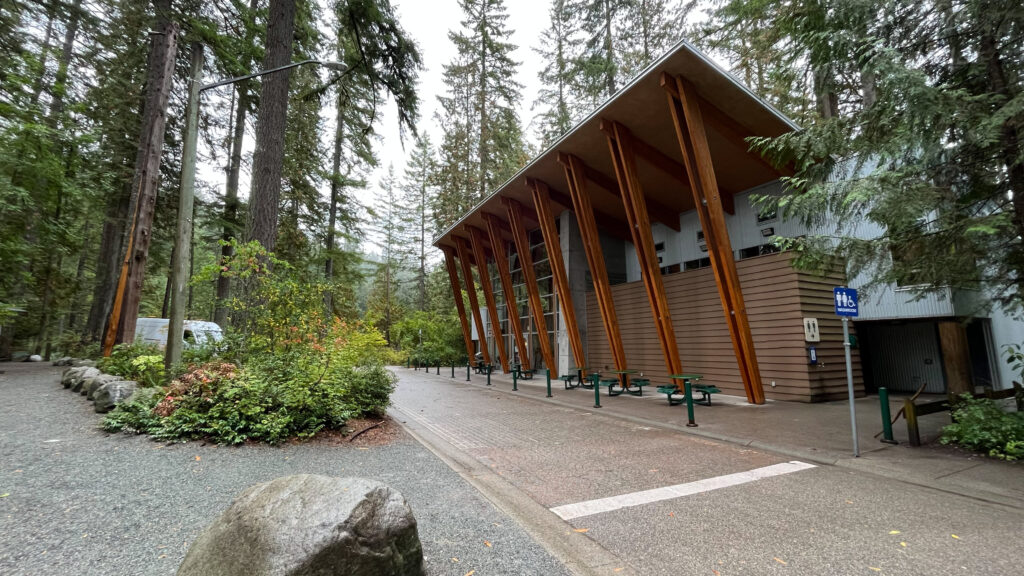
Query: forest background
[(92, 96)]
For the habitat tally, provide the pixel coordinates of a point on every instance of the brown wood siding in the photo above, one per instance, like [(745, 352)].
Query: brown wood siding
[(777, 299)]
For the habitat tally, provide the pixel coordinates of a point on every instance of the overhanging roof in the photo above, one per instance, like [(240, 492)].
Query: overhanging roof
[(731, 112)]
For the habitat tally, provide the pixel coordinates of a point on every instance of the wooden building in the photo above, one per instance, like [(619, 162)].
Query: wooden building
[(631, 243)]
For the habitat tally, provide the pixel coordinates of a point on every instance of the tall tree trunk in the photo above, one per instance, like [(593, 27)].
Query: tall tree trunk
[(1010, 143), (108, 263), (79, 275), (332, 215), (609, 51), (271, 123), (423, 246), (67, 51), (482, 148), (44, 52), (230, 217), (147, 165)]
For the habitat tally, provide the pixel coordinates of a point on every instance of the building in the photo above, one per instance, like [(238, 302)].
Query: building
[(632, 243)]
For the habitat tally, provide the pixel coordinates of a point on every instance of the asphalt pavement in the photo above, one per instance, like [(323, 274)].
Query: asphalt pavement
[(656, 500), (76, 500)]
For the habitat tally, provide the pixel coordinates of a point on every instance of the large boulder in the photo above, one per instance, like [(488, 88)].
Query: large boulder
[(113, 393), (69, 375), (90, 385), (309, 525), (78, 381)]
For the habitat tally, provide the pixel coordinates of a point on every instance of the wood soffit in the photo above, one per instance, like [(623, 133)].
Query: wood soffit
[(731, 113)]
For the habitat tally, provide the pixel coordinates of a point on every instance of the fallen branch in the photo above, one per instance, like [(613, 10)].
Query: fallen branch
[(371, 427)]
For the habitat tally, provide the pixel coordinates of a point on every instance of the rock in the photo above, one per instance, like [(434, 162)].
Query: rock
[(64, 361), (35, 358), (309, 525), (79, 380), (112, 393), (70, 374), (90, 385)]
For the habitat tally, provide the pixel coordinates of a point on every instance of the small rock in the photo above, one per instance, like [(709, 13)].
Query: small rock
[(90, 385), (35, 358), (113, 393), (85, 374), (309, 525)]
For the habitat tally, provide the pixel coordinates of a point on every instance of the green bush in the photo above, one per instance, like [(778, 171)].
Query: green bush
[(289, 370), (143, 363), (979, 424)]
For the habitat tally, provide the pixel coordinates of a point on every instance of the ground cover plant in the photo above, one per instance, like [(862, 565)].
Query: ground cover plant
[(981, 425), (288, 368)]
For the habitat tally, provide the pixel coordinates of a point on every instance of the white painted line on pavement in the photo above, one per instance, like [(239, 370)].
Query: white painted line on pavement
[(590, 507)]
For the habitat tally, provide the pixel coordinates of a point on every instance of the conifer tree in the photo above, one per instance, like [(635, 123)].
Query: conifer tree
[(559, 44), (417, 190)]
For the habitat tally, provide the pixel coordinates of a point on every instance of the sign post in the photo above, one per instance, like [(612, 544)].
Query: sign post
[(848, 307)]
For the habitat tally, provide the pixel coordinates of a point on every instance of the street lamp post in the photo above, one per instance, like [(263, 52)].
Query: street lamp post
[(182, 255)]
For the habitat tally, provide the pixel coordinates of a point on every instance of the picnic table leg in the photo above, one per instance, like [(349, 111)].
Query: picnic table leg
[(689, 404)]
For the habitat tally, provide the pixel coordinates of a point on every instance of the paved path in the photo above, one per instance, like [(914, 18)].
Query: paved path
[(818, 519), (80, 501)]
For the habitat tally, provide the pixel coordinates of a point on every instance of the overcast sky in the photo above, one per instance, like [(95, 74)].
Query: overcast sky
[(428, 22)]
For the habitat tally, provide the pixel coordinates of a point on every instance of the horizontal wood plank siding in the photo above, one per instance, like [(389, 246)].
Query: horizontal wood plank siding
[(777, 299)]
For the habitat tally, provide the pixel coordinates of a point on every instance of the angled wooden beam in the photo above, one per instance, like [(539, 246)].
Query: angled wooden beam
[(522, 242), (610, 224), (494, 231), (620, 145), (663, 213), (733, 132), (574, 176), (476, 240), (467, 274), (453, 278), (542, 203), (689, 124)]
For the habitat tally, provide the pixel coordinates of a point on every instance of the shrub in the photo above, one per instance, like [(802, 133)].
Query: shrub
[(979, 424), (143, 363), (287, 371)]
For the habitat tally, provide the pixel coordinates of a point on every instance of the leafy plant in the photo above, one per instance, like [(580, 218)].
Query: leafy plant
[(979, 424), (143, 363)]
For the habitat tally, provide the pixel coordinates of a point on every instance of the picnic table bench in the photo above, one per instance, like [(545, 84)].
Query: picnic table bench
[(518, 372), (567, 380), (482, 368), (705, 390)]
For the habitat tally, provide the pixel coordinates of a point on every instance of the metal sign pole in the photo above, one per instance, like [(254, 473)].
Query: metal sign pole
[(849, 384)]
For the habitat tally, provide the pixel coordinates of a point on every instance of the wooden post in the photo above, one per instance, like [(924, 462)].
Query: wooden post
[(453, 278), (575, 177), (467, 274), (476, 240), (620, 145), (689, 125), (522, 242), (956, 357), (498, 247), (542, 204)]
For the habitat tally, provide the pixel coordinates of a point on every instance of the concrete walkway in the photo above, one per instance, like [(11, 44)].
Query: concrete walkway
[(628, 489), (815, 432)]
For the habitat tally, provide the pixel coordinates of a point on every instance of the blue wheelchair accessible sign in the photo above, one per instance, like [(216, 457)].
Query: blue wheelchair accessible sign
[(846, 301)]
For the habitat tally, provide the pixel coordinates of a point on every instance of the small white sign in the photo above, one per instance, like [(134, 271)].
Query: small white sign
[(811, 333)]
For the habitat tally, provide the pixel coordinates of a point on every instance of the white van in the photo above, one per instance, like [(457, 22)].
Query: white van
[(197, 332)]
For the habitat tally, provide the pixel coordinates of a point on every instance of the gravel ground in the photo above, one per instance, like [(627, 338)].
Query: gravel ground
[(76, 500)]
